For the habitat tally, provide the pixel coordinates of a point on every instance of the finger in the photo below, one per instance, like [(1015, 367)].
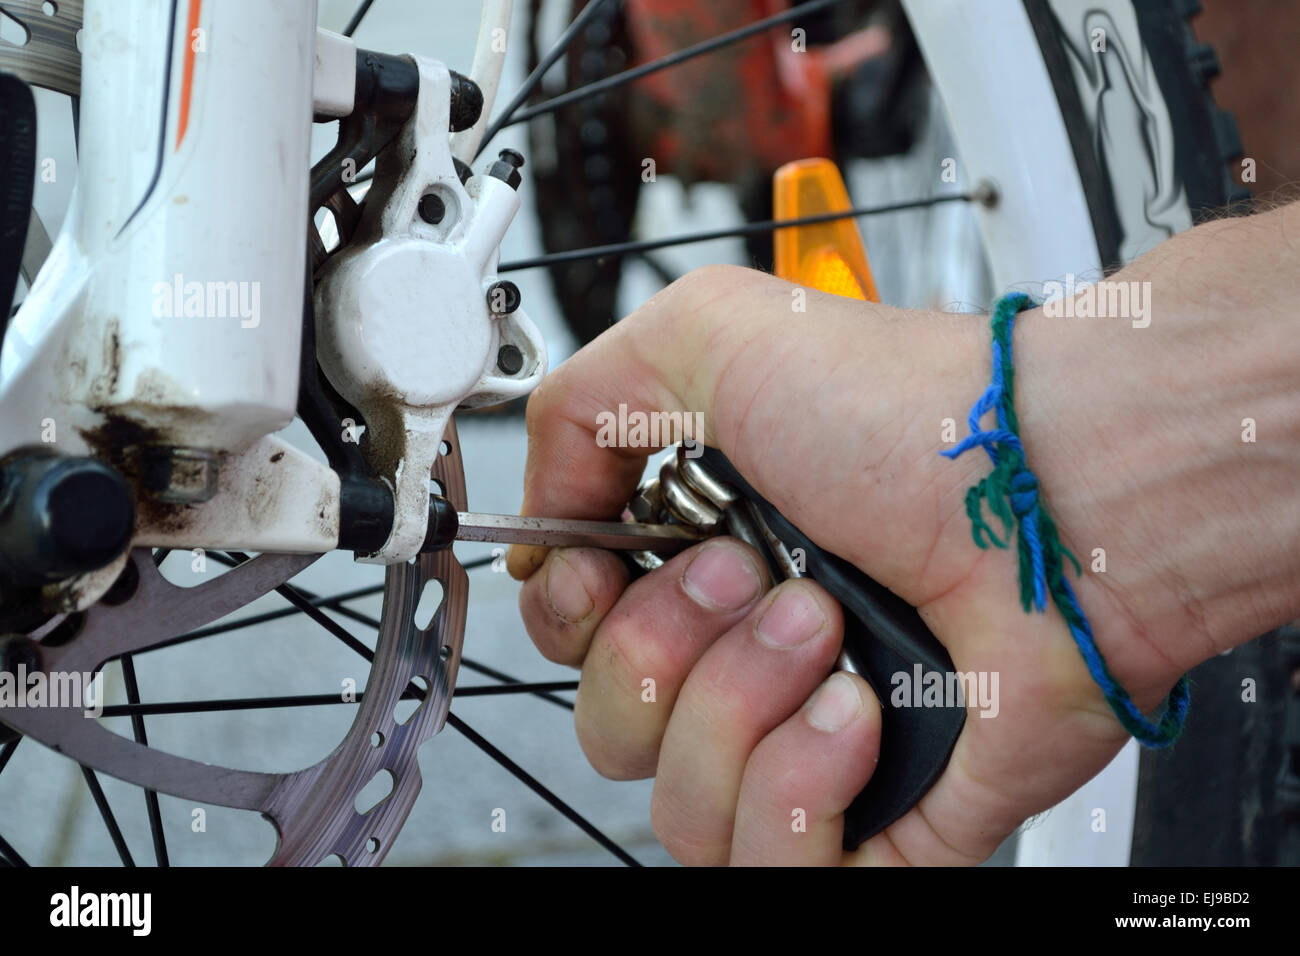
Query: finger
[(1040, 730), (648, 643), (565, 602), (753, 678), (719, 344), (803, 776)]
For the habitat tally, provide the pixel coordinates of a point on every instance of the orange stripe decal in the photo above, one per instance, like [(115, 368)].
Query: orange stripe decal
[(187, 78)]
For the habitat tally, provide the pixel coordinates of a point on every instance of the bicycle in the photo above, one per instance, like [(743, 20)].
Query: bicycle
[(119, 376)]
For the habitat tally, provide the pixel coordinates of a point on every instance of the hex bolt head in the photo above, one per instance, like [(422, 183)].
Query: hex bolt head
[(503, 297), (179, 475), (432, 209), (506, 167), (509, 359)]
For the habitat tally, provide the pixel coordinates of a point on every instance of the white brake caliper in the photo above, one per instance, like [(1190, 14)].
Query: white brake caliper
[(411, 319)]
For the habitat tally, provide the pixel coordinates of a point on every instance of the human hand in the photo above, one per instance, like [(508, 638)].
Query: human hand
[(835, 417)]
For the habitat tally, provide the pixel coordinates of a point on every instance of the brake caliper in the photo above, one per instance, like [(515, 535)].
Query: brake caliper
[(412, 320)]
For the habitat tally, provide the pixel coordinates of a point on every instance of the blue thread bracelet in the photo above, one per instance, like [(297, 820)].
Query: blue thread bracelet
[(1011, 493)]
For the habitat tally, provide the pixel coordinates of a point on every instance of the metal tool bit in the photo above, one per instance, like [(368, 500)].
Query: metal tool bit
[(572, 532)]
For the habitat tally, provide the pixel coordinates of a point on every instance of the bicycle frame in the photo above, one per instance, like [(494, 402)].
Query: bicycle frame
[(169, 314), (174, 291)]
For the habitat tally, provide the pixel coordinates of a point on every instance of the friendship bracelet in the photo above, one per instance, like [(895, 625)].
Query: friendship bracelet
[(1011, 493)]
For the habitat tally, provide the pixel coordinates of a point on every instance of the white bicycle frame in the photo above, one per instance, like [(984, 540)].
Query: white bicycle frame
[(169, 312), (170, 307)]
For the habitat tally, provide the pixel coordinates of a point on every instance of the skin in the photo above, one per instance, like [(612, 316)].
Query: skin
[(835, 416)]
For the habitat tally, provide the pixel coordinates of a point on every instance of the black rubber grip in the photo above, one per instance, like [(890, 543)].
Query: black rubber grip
[(883, 636)]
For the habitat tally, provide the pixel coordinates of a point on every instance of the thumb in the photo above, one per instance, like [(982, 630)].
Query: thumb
[(810, 404)]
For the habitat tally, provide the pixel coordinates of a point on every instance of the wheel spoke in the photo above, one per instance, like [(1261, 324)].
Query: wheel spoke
[(493, 690), (534, 78), (358, 15), (137, 709), (8, 751), (495, 674), (627, 76), (228, 704), (333, 602), (305, 601), (255, 619), (150, 796), (106, 812), (10, 856), (746, 229), (540, 789), (302, 601)]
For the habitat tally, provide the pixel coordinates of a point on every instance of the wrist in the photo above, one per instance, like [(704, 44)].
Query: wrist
[(1169, 450)]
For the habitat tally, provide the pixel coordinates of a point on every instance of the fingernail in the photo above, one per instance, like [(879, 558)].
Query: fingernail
[(793, 618), (835, 704), (722, 577), (565, 590)]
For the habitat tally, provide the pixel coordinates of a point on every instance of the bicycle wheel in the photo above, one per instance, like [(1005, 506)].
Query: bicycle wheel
[(1064, 204)]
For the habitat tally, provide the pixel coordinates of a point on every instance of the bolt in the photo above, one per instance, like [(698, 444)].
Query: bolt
[(503, 297), (506, 168), (509, 359), (432, 209), (179, 475)]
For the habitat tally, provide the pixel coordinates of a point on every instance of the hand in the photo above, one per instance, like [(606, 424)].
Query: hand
[(835, 416)]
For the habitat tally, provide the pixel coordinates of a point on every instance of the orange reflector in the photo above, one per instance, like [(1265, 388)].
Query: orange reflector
[(828, 256)]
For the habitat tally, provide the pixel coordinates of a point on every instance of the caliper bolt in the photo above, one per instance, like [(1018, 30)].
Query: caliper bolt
[(506, 168), (503, 297), (509, 359), (432, 209), (179, 475)]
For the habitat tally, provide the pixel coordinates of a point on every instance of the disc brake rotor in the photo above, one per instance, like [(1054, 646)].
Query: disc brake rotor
[(313, 809), (49, 58)]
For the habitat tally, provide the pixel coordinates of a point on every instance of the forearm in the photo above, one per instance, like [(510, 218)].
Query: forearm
[(1190, 482)]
